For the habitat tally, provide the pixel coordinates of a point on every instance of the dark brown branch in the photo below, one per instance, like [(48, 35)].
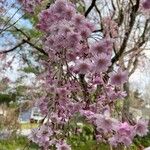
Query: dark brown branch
[(23, 42), (29, 42), (90, 8), (12, 49), (142, 38), (23, 33), (36, 47), (120, 18), (4, 29), (6, 23), (100, 15), (84, 88), (127, 34), (98, 30)]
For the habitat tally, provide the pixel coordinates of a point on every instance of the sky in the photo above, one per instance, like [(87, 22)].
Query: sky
[(13, 74)]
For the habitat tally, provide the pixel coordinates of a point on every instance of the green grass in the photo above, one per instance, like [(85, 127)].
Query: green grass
[(22, 143), (82, 142), (17, 143), (29, 125)]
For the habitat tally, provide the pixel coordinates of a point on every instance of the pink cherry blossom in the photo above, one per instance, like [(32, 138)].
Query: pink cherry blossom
[(30, 5), (102, 62), (124, 134), (119, 78), (146, 4), (141, 128), (63, 146), (83, 66), (59, 6), (103, 46), (98, 48)]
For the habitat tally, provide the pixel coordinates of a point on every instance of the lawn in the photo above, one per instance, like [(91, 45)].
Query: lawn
[(17, 143), (29, 125)]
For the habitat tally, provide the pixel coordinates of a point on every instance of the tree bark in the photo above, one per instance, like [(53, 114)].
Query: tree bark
[(126, 104)]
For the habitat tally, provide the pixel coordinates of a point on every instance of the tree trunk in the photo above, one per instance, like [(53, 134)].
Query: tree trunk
[(126, 104)]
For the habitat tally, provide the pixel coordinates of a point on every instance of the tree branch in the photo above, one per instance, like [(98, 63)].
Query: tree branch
[(90, 8), (135, 64), (21, 43), (12, 49), (127, 33), (36, 47)]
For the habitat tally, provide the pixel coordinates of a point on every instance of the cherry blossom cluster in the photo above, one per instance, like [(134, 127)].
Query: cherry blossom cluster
[(65, 30), (76, 82), (30, 5), (124, 132)]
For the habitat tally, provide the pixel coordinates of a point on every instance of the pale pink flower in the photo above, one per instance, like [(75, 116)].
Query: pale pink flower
[(88, 25), (103, 46), (102, 62), (85, 33), (124, 133), (113, 141), (119, 78), (146, 4), (73, 39), (33, 136), (114, 95), (126, 140), (69, 13), (60, 6), (43, 105), (141, 128), (97, 48), (108, 44), (83, 66), (105, 122), (124, 129), (63, 92), (54, 118), (71, 56), (97, 80), (86, 113), (78, 19), (63, 146), (41, 136), (30, 5)]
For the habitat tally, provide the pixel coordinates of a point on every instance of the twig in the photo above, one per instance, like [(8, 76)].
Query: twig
[(12, 49)]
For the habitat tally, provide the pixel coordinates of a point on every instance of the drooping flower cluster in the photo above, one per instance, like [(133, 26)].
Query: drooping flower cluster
[(123, 133), (42, 136), (65, 30), (75, 81)]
